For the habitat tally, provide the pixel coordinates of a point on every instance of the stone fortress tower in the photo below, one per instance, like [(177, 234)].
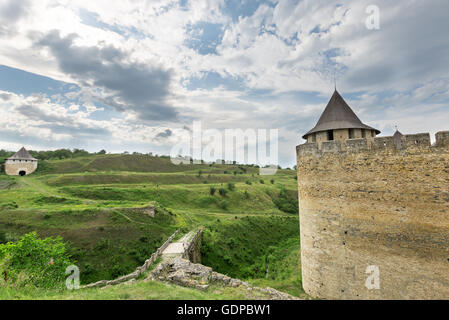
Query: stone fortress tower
[(374, 211), (20, 164)]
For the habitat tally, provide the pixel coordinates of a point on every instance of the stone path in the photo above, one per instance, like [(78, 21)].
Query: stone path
[(178, 248)]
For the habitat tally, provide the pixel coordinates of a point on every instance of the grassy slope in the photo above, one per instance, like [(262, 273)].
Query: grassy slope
[(151, 290), (72, 198)]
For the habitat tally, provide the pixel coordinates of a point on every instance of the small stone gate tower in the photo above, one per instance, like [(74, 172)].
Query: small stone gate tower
[(20, 164)]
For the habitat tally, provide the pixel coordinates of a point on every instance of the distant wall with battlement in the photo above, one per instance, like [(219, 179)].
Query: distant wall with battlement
[(375, 202)]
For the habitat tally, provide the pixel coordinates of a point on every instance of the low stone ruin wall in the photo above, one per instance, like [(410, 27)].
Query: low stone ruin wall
[(193, 250), (182, 272)]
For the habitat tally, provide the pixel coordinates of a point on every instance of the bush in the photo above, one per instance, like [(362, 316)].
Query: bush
[(231, 186), (286, 202), (246, 194), (262, 182), (248, 182), (9, 206), (88, 269), (35, 261), (222, 192), (272, 181), (212, 191), (3, 237), (223, 205)]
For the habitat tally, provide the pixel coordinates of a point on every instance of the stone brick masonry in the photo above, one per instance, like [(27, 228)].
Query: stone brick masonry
[(13, 167), (375, 203)]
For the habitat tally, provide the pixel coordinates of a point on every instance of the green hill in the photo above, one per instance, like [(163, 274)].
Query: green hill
[(94, 203)]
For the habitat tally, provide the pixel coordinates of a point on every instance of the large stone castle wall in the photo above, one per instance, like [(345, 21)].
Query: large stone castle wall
[(13, 167), (375, 202)]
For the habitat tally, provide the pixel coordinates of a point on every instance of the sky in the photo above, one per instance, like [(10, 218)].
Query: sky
[(134, 75)]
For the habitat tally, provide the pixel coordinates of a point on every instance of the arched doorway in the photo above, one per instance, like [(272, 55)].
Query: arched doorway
[(22, 173)]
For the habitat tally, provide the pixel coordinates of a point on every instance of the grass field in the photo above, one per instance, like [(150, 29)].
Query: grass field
[(252, 228)]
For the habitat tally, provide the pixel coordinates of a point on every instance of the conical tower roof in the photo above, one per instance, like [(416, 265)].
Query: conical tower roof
[(338, 115), (397, 134), (22, 154)]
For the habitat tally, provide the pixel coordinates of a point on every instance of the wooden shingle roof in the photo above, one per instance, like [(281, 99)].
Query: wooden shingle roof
[(22, 154), (338, 115)]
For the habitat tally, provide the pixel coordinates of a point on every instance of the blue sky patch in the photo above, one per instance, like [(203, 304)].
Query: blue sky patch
[(26, 83), (205, 37)]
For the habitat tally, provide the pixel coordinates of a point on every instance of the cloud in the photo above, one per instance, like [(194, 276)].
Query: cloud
[(5, 96), (11, 11), (162, 135), (129, 86)]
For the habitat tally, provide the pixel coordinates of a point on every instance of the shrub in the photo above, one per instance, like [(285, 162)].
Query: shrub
[(222, 192), (246, 194), (3, 237), (286, 202), (212, 191), (223, 205), (9, 206), (272, 181), (35, 261), (231, 186), (262, 182), (88, 269), (248, 182)]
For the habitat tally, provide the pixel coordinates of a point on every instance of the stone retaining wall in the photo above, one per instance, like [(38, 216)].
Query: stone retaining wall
[(193, 249)]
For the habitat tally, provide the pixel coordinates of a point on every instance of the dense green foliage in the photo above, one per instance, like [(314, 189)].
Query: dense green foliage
[(287, 201), (34, 261), (242, 247)]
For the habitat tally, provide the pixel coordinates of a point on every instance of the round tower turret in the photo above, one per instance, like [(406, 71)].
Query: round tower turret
[(339, 122)]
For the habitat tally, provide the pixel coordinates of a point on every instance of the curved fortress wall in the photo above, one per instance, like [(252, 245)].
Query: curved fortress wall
[(375, 202)]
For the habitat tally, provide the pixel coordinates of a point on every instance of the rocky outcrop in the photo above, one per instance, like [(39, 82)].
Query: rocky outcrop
[(185, 273), (148, 210)]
